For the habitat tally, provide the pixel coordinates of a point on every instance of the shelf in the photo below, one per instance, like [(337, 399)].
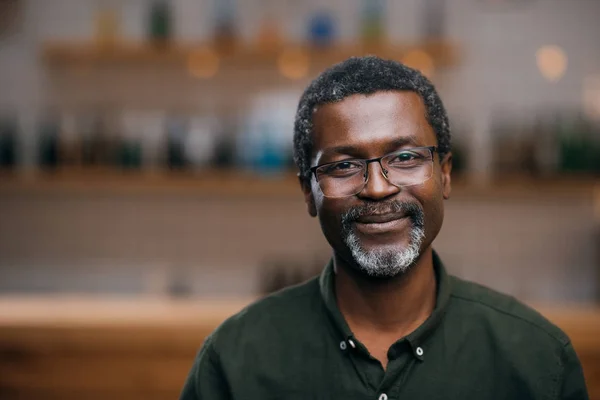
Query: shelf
[(209, 183), (241, 184), (442, 53)]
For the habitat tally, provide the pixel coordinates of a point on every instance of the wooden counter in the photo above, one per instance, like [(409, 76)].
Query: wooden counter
[(85, 348)]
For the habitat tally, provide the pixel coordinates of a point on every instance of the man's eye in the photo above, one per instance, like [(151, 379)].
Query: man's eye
[(406, 157), (342, 167)]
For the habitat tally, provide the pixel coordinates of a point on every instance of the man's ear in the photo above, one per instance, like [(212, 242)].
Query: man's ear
[(309, 199), (446, 166)]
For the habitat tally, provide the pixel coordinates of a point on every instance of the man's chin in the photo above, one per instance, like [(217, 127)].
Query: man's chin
[(389, 241), (384, 263), (383, 260), (384, 249)]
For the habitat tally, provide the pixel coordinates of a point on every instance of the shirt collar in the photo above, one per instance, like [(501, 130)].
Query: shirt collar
[(417, 338)]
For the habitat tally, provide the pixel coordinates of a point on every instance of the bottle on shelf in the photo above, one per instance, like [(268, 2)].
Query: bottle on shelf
[(225, 29), (129, 153), (177, 132), (201, 140), (434, 19), (322, 28), (86, 127), (104, 140), (372, 24), (595, 147), (269, 33), (48, 145), (98, 130), (152, 125), (160, 23), (107, 23), (8, 142), (225, 153), (572, 144), (263, 141), (271, 159), (69, 139), (546, 149)]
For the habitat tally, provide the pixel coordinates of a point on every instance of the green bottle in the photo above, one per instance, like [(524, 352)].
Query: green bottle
[(373, 29), (160, 22), (8, 143)]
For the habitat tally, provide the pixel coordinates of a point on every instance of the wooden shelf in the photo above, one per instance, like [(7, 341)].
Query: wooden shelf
[(220, 183), (244, 184), (442, 53)]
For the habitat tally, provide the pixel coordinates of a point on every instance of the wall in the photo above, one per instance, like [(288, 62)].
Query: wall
[(547, 248), (538, 247), (499, 68), (498, 41)]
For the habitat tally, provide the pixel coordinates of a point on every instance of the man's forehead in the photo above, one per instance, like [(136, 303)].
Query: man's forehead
[(383, 116)]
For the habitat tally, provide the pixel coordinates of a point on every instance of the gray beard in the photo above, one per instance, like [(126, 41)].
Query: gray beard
[(386, 263)]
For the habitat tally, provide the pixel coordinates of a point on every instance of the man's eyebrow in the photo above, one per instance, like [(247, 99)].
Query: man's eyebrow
[(391, 146)]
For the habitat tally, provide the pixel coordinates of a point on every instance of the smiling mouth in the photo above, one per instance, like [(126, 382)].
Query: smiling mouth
[(372, 224)]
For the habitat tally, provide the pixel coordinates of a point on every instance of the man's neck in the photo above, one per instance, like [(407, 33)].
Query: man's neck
[(393, 307)]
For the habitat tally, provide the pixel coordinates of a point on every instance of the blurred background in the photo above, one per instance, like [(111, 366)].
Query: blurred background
[(147, 189)]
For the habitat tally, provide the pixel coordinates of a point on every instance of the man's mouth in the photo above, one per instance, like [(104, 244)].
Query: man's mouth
[(381, 223), (380, 218)]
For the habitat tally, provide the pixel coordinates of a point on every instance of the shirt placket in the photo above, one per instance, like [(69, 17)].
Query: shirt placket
[(403, 357), (366, 367)]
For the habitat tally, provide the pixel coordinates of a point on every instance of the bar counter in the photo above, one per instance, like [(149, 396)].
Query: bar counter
[(73, 347)]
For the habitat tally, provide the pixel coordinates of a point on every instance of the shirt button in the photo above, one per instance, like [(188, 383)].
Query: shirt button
[(343, 345), (419, 351), (383, 396), (352, 343)]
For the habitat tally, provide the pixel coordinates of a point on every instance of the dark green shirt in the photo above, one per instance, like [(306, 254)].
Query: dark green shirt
[(477, 344)]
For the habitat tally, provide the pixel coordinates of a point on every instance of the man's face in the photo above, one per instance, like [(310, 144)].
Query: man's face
[(383, 229)]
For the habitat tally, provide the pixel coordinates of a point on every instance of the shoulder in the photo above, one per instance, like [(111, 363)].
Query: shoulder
[(271, 318), (504, 313)]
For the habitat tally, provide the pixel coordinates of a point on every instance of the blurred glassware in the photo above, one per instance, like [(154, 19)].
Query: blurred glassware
[(86, 126), (269, 32), (107, 23), (546, 148), (201, 140), (9, 132), (129, 153), (70, 143), (264, 143), (48, 136), (459, 158), (225, 29), (575, 147), (225, 150), (160, 22), (322, 28), (373, 24), (434, 19), (177, 132), (152, 128), (98, 137)]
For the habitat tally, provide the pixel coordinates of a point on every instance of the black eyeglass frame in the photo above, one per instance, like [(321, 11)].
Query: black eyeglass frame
[(432, 150)]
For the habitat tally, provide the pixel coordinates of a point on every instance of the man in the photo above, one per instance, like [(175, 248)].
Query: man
[(384, 320)]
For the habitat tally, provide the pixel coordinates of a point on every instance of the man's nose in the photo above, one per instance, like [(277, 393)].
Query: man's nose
[(377, 185)]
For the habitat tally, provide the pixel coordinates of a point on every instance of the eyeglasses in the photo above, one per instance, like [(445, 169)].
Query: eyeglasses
[(406, 167)]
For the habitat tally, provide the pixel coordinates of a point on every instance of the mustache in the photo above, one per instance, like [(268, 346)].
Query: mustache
[(411, 210)]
